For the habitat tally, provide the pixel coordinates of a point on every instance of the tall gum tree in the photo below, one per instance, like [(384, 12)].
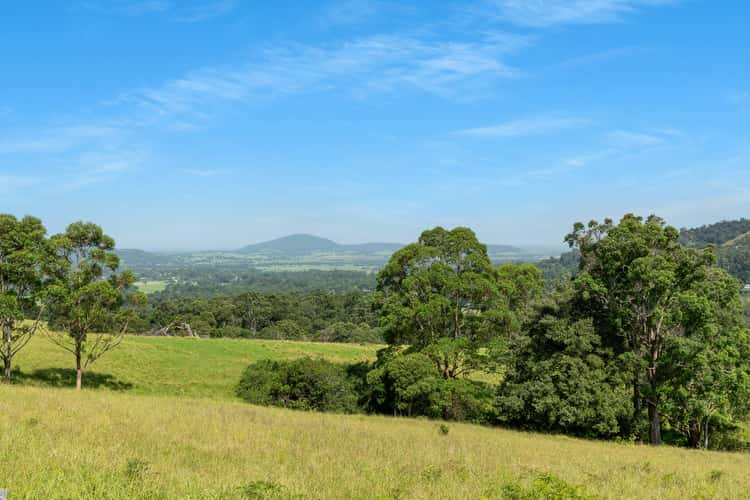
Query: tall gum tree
[(26, 260), (640, 284), (442, 296), (91, 297)]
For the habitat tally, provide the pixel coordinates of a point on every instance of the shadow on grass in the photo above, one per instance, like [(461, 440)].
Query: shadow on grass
[(66, 378)]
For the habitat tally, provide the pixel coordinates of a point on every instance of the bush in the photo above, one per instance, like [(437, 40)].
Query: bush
[(411, 385), (286, 329), (305, 384)]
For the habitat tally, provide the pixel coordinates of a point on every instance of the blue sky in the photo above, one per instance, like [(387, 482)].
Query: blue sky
[(217, 123)]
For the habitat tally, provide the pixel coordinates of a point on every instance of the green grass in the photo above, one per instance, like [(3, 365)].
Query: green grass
[(149, 286), (157, 419), (172, 366), (99, 444)]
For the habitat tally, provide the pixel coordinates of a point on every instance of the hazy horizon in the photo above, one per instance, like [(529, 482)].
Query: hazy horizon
[(214, 124)]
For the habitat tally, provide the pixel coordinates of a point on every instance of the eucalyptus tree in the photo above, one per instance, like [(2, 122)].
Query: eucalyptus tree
[(91, 296), (440, 296), (26, 259), (645, 291)]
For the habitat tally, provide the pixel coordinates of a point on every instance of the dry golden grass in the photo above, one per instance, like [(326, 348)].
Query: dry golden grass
[(56, 443)]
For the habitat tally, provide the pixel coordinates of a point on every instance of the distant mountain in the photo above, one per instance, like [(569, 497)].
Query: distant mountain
[(308, 244), (294, 244), (133, 258)]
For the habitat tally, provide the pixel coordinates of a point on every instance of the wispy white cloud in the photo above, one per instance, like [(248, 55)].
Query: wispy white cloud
[(146, 7), (544, 13), (597, 57), (738, 98), (525, 127), (10, 184), (360, 67), (349, 11), (94, 167), (174, 10), (206, 11), (59, 139), (648, 138)]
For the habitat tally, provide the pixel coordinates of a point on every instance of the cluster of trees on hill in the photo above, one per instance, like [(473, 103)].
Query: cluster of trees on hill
[(71, 280), (731, 242), (714, 234), (316, 315), (208, 282), (646, 342)]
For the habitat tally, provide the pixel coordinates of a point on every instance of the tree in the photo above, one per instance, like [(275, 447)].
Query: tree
[(560, 377), (707, 369), (91, 296), (26, 258), (641, 288), (440, 296)]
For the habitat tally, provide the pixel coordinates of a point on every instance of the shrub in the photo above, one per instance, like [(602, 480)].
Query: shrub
[(286, 329), (344, 331), (305, 384), (411, 385)]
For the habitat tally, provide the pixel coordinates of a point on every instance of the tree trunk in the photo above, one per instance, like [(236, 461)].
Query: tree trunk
[(653, 401), (636, 396), (706, 444), (654, 423), (694, 434), (7, 357), (79, 370), (6, 362)]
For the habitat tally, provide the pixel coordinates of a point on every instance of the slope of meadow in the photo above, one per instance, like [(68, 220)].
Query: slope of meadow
[(170, 365), (55, 443), (116, 440)]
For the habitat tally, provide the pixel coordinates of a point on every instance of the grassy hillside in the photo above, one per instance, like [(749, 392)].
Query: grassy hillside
[(172, 366), (97, 444)]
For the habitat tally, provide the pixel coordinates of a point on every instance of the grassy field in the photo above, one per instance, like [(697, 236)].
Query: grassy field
[(98, 444), (151, 286), (117, 439), (171, 366)]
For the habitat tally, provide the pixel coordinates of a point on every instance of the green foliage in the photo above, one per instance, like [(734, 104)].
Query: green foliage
[(731, 242), (545, 486), (656, 302), (90, 295), (320, 316), (561, 378), (558, 269), (263, 490), (303, 384), (441, 296), (195, 281), (410, 384), (714, 234), (27, 262)]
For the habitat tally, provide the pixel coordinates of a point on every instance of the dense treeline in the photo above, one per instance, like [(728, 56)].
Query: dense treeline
[(714, 234), (207, 282), (731, 242), (317, 315), (646, 342)]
